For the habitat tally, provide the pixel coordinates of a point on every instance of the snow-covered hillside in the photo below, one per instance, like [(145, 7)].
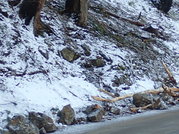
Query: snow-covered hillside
[(34, 76)]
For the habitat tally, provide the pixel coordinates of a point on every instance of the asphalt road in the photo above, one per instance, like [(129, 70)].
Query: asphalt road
[(163, 123)]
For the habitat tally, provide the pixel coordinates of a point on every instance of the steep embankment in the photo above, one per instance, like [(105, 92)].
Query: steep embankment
[(111, 53)]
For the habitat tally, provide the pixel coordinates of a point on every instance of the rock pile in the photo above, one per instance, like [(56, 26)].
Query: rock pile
[(35, 123)]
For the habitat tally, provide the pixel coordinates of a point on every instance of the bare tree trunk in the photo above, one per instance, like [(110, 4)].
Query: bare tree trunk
[(38, 25), (79, 7), (72, 6), (30, 9), (83, 13)]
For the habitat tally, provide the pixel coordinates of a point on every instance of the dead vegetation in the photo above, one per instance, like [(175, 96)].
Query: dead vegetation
[(171, 91)]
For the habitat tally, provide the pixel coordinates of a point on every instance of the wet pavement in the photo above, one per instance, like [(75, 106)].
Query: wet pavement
[(163, 123)]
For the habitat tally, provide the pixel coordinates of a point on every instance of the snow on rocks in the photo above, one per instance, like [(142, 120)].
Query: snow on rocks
[(35, 76)]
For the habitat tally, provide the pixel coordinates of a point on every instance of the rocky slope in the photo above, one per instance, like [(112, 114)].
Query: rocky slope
[(70, 65)]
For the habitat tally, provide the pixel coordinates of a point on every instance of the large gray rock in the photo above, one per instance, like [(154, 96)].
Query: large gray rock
[(142, 99), (90, 108), (67, 115), (42, 121), (21, 125), (96, 115)]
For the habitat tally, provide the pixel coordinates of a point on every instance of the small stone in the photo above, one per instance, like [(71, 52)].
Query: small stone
[(67, 115), (122, 80), (98, 62), (81, 120), (5, 14), (87, 50), (42, 131), (115, 110), (43, 52)]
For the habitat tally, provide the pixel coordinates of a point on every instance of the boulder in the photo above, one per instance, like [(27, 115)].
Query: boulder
[(67, 115), (21, 125), (42, 121), (69, 54), (91, 108), (142, 99), (96, 115)]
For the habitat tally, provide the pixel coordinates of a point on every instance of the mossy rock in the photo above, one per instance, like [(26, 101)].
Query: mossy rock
[(69, 54), (98, 62), (87, 50), (121, 80)]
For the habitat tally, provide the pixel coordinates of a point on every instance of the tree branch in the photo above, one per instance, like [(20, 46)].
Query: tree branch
[(170, 91)]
